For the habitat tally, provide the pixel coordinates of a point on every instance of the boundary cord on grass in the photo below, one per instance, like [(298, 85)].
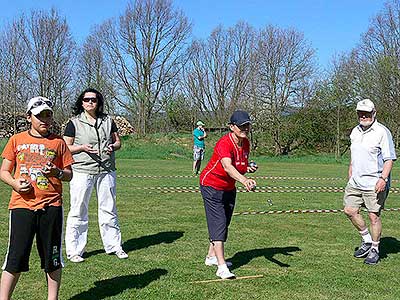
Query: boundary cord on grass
[(259, 189), (255, 177), (298, 211)]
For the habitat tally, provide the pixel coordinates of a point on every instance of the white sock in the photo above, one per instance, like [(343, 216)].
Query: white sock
[(366, 236), (375, 245), (222, 267)]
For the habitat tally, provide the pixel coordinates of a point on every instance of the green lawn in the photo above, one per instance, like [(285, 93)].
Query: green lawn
[(301, 256)]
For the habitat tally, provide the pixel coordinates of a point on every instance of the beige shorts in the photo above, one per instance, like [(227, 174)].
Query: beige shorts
[(374, 202)]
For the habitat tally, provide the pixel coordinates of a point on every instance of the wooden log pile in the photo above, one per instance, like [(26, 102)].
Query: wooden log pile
[(124, 127), (7, 124)]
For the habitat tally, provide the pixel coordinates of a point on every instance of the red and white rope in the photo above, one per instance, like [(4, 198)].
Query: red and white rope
[(255, 177), (298, 211), (259, 189)]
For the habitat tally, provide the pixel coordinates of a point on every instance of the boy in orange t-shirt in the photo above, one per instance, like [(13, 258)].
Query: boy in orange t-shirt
[(34, 164)]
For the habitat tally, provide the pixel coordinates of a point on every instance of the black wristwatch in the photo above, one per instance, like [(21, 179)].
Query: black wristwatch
[(60, 174), (384, 179)]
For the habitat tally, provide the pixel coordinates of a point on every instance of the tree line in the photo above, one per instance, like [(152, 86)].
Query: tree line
[(153, 71)]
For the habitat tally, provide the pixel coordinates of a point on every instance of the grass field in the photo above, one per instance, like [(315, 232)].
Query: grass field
[(301, 256)]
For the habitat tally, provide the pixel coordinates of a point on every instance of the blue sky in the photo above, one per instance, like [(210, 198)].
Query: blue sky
[(331, 26)]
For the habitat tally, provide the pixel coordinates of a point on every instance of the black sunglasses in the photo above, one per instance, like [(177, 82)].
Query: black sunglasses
[(93, 100), (244, 126), (364, 114), (42, 102)]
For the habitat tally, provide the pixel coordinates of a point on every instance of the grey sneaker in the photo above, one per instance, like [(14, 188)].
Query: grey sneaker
[(372, 258), (363, 250)]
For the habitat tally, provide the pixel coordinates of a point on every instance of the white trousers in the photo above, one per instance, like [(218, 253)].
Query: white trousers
[(81, 187)]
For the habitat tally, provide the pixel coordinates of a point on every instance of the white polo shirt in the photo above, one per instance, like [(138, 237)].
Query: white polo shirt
[(369, 150)]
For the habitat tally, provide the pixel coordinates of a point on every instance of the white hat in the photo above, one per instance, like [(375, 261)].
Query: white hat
[(365, 105), (38, 104)]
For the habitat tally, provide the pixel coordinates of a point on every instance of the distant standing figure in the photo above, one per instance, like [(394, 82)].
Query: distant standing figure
[(228, 164), (372, 156), (199, 145), (92, 136)]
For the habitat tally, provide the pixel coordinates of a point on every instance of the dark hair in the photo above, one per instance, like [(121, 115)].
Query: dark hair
[(78, 109)]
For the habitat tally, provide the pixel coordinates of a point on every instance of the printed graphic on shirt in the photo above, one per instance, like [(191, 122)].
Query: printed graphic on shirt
[(32, 158), (50, 155)]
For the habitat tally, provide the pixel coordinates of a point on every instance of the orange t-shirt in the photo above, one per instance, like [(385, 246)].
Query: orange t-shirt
[(30, 154)]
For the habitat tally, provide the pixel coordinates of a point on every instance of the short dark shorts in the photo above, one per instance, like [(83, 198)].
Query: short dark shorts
[(219, 207), (47, 225)]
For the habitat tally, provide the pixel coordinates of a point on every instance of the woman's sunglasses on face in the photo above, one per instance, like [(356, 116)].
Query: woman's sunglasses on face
[(93, 100)]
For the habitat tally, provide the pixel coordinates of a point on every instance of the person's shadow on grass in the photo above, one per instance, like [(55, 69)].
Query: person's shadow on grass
[(388, 245), (114, 286), (167, 237), (244, 257)]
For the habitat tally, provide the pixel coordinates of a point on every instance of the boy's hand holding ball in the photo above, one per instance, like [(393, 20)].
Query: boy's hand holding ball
[(22, 185)]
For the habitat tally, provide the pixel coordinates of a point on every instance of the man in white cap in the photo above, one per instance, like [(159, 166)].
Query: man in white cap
[(372, 156), (199, 134)]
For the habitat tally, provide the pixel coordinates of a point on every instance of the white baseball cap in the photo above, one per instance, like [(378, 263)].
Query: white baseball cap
[(38, 104), (365, 105)]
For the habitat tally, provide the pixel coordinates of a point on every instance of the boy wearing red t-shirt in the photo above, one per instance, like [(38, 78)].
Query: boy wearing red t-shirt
[(217, 184), (34, 164)]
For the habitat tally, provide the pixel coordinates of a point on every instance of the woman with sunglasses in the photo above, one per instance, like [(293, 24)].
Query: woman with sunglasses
[(217, 185), (92, 136)]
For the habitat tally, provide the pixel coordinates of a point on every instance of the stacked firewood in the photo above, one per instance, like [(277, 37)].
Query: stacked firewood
[(124, 127), (8, 122)]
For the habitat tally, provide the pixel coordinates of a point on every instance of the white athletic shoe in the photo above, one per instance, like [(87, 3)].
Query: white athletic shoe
[(212, 261), (224, 273), (121, 254), (76, 259)]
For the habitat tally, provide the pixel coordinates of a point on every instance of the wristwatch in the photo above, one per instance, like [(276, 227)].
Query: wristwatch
[(384, 179), (60, 174)]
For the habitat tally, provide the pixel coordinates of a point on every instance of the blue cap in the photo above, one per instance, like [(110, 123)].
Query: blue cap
[(240, 117)]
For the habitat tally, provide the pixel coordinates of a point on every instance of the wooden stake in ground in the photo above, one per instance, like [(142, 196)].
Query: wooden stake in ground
[(236, 278)]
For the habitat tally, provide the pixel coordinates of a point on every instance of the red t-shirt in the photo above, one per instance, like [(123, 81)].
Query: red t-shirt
[(214, 174), (30, 154)]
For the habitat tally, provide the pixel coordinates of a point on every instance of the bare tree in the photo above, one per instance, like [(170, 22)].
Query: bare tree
[(146, 50), (220, 69), (51, 52), (93, 71), (284, 65), (13, 69)]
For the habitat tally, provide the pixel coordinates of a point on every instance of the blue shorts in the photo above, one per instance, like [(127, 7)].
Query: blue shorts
[(219, 207), (47, 225)]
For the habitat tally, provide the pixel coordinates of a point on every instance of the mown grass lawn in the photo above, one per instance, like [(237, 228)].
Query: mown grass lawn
[(301, 256)]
